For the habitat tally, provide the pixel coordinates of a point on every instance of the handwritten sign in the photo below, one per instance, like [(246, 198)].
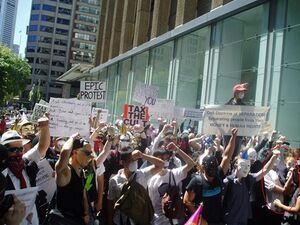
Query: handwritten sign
[(68, 116), (188, 113), (27, 196), (103, 113), (134, 114), (38, 111), (221, 119), (145, 94), (43, 102), (163, 108), (93, 91), (45, 179)]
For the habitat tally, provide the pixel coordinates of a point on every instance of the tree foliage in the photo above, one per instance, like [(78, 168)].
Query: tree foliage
[(14, 73)]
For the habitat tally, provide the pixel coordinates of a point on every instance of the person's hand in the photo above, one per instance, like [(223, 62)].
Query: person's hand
[(136, 154), (43, 122), (171, 147), (174, 123), (101, 125), (110, 131), (234, 132), (273, 136), (166, 128), (16, 213), (276, 152), (277, 202), (75, 136)]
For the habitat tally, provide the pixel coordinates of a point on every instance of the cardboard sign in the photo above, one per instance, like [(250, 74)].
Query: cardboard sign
[(103, 114), (93, 91), (188, 113), (163, 108), (145, 94), (221, 119), (27, 196), (38, 111), (45, 179), (42, 102), (134, 114), (68, 116)]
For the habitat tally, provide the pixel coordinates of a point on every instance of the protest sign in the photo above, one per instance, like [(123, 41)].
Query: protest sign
[(188, 113), (266, 127), (93, 91), (103, 113), (163, 108), (134, 114), (42, 102), (45, 179), (68, 116), (145, 94), (221, 119), (27, 196), (38, 111)]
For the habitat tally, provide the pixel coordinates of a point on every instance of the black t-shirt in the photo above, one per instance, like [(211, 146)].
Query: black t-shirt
[(210, 194)]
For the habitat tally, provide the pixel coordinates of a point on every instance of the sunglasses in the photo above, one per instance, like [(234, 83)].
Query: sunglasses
[(15, 149), (87, 153)]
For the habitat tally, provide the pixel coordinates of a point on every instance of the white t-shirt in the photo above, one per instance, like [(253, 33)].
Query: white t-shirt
[(153, 185), (32, 155), (116, 184)]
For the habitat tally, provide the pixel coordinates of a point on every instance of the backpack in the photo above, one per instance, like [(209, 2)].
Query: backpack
[(135, 203), (171, 201)]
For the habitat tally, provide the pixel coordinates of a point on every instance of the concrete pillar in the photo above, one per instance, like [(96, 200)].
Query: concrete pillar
[(107, 30), (161, 13), (100, 32), (186, 11), (116, 29), (128, 24), (142, 22)]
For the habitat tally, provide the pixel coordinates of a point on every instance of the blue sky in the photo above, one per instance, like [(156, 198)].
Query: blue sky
[(23, 15)]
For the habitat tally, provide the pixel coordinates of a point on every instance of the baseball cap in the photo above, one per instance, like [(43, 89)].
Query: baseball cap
[(239, 87)]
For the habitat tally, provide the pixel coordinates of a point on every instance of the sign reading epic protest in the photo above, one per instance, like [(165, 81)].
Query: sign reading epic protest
[(68, 116), (38, 111), (221, 119), (134, 114), (92, 91), (145, 94)]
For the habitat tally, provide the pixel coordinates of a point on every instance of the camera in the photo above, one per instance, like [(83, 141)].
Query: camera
[(5, 204)]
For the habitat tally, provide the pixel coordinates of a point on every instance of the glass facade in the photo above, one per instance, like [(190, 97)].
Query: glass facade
[(258, 46)]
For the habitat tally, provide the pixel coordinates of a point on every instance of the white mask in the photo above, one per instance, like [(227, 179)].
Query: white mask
[(243, 167), (133, 166), (241, 95), (167, 163), (252, 155)]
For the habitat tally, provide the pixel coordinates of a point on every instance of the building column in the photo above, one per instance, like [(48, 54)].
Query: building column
[(142, 22), (107, 31), (186, 11), (128, 24), (66, 90), (161, 14), (100, 33), (116, 29), (216, 3)]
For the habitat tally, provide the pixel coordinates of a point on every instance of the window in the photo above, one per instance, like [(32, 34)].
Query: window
[(83, 27), (48, 18), (32, 38), (33, 28), (61, 31), (58, 63), (64, 11), (94, 2), (56, 73), (44, 50), (62, 21), (30, 59), (47, 40), (59, 52), (40, 72), (66, 1), (85, 37), (30, 49), (34, 17), (90, 10), (88, 19), (60, 42), (46, 29), (42, 61), (50, 8), (36, 6)]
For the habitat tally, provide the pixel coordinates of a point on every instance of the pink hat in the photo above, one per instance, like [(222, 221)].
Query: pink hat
[(240, 87)]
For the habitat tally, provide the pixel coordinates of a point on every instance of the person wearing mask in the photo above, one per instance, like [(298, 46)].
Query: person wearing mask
[(158, 183), (236, 202), (129, 160), (206, 188), (21, 168)]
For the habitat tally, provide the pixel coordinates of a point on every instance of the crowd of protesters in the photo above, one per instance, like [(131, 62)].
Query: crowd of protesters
[(239, 181)]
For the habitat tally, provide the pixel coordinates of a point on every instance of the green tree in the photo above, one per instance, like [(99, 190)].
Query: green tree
[(14, 73)]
